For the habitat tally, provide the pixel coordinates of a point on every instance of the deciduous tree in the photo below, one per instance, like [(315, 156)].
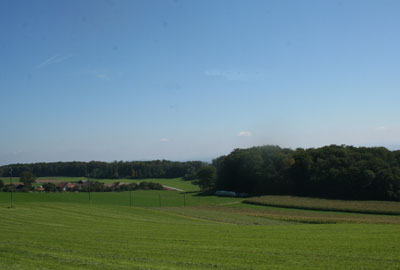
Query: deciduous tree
[(206, 177), (28, 178)]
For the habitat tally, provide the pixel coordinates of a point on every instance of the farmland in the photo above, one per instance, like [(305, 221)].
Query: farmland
[(174, 182), (369, 207), (140, 198), (64, 231)]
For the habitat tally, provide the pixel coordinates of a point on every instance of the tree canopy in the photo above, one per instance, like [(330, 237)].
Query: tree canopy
[(333, 171), (28, 178), (109, 170), (206, 177), (49, 187)]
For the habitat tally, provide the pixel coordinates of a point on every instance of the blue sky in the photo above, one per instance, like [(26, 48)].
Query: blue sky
[(188, 80)]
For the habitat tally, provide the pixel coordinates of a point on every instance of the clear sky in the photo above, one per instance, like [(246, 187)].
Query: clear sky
[(189, 80)]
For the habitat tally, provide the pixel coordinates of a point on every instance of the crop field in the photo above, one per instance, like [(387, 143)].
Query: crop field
[(243, 214), (369, 207), (65, 231)]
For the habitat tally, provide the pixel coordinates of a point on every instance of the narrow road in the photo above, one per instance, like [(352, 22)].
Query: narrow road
[(172, 188)]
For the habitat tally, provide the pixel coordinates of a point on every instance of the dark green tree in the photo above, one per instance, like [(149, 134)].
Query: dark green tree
[(49, 187), (28, 178), (206, 178), (116, 169), (96, 186), (9, 187), (150, 186), (191, 174)]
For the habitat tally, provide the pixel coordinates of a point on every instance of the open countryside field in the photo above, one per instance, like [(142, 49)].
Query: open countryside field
[(64, 231), (369, 207), (139, 198)]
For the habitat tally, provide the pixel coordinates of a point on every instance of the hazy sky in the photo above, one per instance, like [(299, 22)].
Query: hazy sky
[(138, 80)]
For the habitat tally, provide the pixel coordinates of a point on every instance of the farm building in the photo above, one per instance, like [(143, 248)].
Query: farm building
[(62, 186), (70, 186)]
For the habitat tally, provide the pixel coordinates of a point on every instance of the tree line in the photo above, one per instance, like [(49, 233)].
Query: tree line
[(341, 172), (109, 170), (95, 186), (27, 179)]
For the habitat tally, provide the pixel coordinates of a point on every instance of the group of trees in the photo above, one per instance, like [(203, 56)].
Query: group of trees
[(7, 187), (27, 178), (206, 178), (50, 187), (96, 186), (110, 170), (333, 171), (343, 172)]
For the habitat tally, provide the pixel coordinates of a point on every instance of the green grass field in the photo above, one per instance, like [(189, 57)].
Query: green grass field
[(140, 198), (64, 231), (369, 207)]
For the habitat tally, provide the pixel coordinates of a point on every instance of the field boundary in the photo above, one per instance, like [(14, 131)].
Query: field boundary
[(326, 209)]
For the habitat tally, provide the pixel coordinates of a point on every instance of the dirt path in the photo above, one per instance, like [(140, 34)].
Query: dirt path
[(172, 188)]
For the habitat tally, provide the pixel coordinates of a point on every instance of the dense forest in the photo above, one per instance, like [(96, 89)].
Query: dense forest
[(111, 170), (342, 172)]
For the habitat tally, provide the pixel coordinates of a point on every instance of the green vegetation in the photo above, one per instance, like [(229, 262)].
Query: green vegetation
[(340, 172), (140, 198), (177, 183), (27, 178), (111, 170), (207, 176), (368, 207), (247, 214), (185, 229), (64, 231), (171, 182), (50, 187)]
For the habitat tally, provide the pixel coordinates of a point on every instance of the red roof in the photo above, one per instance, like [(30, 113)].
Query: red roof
[(62, 184)]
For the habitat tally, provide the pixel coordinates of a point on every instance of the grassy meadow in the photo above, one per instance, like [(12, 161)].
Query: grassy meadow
[(139, 198), (65, 231), (368, 207)]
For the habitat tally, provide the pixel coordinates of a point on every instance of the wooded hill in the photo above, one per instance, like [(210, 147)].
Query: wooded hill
[(344, 172), (109, 170)]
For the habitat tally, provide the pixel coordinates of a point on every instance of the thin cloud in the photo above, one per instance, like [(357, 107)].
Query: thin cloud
[(104, 74), (244, 134), (103, 77), (382, 128), (232, 75), (164, 140), (54, 60)]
